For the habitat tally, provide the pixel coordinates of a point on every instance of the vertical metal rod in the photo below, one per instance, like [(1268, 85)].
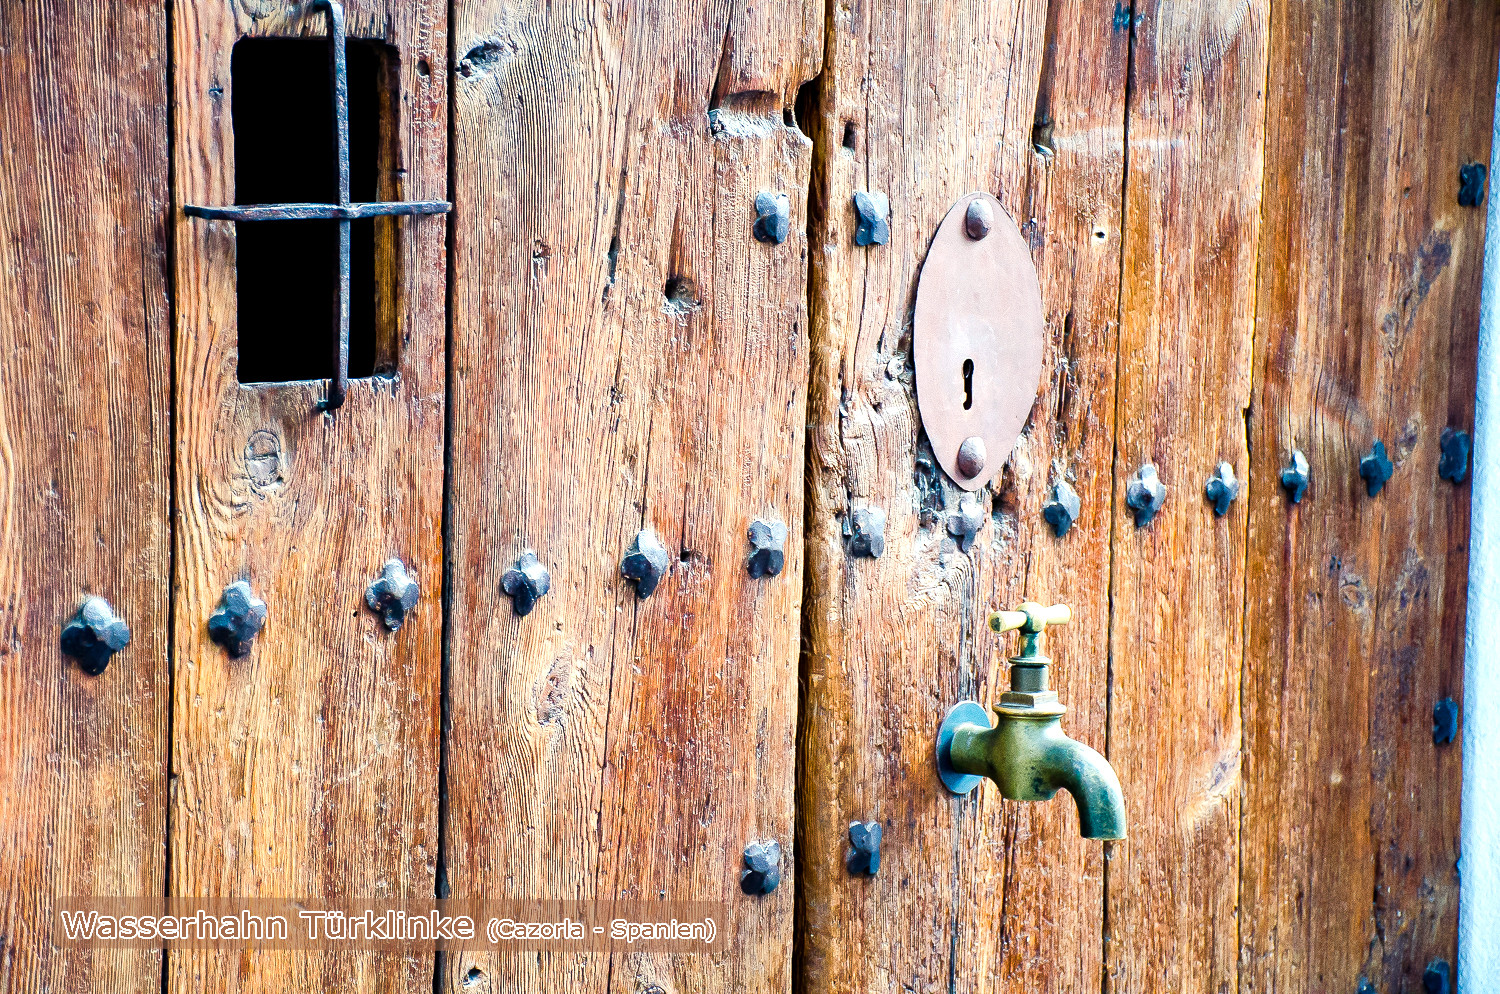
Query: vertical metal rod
[(338, 73)]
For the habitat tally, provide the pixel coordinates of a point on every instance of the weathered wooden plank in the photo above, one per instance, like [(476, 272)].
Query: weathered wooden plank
[(1366, 328), (1192, 212), (309, 767), (979, 893), (84, 376), (626, 355)]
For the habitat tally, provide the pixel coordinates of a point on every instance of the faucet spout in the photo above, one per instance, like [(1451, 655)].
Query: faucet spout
[(1072, 766)]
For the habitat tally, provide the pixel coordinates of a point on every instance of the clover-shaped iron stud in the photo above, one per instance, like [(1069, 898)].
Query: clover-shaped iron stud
[(1145, 494), (1444, 721), (1453, 464), (1222, 488), (1437, 978), (866, 531), (762, 867), (1471, 177), (872, 208), (1295, 477), (238, 619), (767, 548), (645, 562), (526, 582), (392, 594), (95, 634), (773, 217), (863, 858), (1375, 469), (964, 523), (1062, 509)]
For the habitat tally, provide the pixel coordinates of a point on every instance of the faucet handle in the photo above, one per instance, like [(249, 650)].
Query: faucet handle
[(1030, 618)]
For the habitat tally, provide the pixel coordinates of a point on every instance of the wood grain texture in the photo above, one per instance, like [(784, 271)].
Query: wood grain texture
[(626, 355), (975, 894), (1366, 329), (84, 443), (310, 766), (1187, 305)]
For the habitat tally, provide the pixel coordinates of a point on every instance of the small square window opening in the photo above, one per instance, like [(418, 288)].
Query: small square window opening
[(284, 152)]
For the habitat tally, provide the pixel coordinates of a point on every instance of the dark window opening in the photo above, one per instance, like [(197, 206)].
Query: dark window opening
[(284, 153)]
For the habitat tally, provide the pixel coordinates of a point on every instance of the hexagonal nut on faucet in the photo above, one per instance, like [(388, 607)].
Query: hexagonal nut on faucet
[(392, 594), (238, 619), (767, 548), (526, 583), (94, 635), (645, 562), (762, 870)]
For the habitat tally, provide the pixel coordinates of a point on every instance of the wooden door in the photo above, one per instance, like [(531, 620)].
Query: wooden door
[(1252, 239)]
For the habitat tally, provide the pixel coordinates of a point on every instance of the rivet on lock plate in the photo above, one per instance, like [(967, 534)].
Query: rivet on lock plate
[(978, 339)]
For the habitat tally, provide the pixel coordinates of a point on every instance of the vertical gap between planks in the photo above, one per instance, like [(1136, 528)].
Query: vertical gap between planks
[(813, 121), (440, 886), (1114, 489), (169, 11), (1247, 495)]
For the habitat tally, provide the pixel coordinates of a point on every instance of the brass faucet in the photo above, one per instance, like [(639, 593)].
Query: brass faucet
[(1026, 752)]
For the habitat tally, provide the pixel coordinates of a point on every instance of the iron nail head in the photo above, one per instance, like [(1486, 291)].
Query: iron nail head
[(94, 635), (971, 458)]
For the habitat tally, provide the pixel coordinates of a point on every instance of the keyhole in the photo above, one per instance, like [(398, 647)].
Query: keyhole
[(968, 383)]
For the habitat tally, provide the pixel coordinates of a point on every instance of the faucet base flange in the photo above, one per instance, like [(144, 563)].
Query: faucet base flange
[(962, 713)]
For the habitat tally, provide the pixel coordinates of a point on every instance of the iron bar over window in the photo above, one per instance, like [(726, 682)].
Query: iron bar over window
[(343, 211)]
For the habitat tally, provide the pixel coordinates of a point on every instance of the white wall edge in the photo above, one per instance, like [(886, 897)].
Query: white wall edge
[(1479, 862)]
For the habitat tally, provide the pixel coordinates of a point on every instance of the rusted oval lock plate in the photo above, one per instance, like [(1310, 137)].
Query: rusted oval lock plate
[(977, 340)]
